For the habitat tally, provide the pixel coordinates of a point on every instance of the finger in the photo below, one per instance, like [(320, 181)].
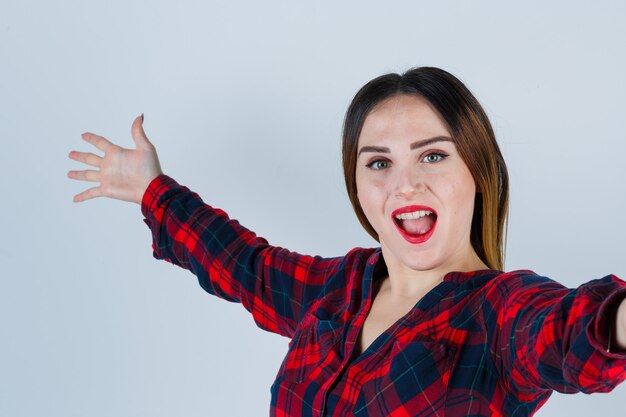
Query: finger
[(98, 141), (138, 134), (88, 194), (86, 175), (86, 158)]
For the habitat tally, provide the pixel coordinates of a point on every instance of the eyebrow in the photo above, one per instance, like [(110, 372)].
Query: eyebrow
[(414, 145)]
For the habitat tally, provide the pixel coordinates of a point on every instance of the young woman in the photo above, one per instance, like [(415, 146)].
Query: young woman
[(428, 323)]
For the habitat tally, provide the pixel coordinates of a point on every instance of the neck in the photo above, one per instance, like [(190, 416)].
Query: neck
[(404, 283)]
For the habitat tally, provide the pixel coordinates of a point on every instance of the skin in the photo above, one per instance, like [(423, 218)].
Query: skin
[(392, 172), (123, 174), (446, 186), (403, 177), (620, 328)]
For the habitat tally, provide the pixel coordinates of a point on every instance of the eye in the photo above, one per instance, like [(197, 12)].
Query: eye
[(378, 164), (435, 157)]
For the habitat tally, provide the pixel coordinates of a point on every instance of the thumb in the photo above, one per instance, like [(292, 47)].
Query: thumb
[(139, 136)]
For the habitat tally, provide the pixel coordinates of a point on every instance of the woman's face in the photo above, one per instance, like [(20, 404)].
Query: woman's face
[(407, 166)]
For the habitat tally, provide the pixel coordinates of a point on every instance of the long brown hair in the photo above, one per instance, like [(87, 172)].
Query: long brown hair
[(474, 139)]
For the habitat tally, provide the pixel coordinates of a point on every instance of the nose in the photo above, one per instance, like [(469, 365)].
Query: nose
[(409, 184)]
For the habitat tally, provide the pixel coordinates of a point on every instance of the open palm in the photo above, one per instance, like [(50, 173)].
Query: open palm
[(123, 174)]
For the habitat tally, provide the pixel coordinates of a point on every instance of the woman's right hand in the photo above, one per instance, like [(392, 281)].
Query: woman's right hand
[(123, 174)]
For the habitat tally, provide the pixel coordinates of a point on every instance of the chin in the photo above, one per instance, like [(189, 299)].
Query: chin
[(420, 266), (417, 260)]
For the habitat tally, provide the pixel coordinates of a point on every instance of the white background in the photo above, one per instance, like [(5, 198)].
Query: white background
[(244, 101)]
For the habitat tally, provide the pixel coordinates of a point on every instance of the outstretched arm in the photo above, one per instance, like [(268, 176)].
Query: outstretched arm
[(545, 336), (276, 285)]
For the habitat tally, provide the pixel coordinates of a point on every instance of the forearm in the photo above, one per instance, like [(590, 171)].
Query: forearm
[(543, 327), (619, 330)]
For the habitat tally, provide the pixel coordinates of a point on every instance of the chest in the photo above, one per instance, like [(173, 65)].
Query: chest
[(413, 369), (383, 314)]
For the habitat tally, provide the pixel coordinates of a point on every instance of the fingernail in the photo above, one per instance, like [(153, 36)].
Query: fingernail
[(141, 117)]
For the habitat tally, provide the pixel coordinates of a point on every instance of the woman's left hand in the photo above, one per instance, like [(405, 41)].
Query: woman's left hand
[(123, 174), (620, 333)]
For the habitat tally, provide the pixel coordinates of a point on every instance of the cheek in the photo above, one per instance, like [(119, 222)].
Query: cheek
[(461, 194), (369, 187), (460, 189), (371, 195)]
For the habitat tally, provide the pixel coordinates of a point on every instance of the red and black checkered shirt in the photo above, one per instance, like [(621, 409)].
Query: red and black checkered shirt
[(482, 343)]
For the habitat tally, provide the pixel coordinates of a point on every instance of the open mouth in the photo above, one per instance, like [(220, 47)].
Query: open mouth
[(415, 223)]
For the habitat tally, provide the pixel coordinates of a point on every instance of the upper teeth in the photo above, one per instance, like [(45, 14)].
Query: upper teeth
[(413, 215)]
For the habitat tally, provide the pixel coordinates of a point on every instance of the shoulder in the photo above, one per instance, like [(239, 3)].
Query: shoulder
[(519, 287), (345, 283), (521, 279), (351, 266), (361, 257), (491, 280), (529, 282)]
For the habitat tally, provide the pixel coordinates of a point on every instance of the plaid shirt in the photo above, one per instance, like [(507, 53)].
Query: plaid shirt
[(482, 343)]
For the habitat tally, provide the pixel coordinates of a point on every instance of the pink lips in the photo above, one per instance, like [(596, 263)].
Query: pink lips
[(411, 238)]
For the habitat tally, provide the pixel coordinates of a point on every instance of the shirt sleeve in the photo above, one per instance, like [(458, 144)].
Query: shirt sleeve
[(544, 336), (274, 284)]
